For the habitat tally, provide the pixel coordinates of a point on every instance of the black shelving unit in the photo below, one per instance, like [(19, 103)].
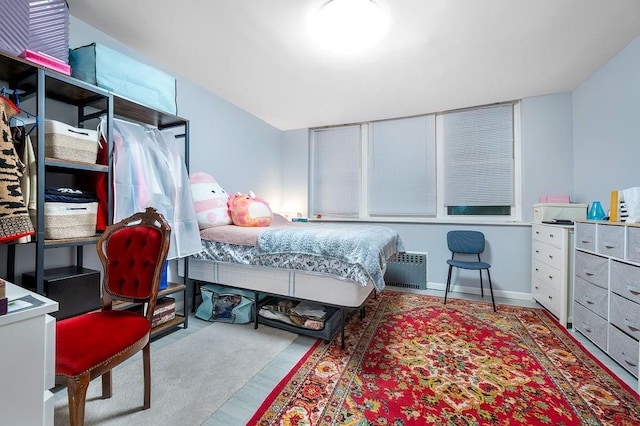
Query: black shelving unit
[(92, 102)]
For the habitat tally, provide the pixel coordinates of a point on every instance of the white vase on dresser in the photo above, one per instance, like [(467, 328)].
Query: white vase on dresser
[(607, 292)]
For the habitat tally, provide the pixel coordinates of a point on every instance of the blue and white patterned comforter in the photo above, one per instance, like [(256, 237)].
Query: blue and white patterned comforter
[(352, 252)]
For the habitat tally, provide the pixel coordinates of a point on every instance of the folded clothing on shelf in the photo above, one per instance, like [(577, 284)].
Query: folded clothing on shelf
[(69, 195)]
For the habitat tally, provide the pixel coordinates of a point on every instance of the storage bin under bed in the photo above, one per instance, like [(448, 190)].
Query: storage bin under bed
[(332, 322), (65, 142), (69, 220)]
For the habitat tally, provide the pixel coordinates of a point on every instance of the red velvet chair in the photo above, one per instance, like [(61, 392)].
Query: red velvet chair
[(133, 252)]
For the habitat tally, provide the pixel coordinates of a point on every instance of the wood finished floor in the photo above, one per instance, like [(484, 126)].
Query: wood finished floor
[(243, 404)]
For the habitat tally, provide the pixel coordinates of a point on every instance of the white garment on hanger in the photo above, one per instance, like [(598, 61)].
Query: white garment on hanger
[(149, 171)]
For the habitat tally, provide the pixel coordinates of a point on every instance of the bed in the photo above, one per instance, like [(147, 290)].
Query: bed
[(337, 265)]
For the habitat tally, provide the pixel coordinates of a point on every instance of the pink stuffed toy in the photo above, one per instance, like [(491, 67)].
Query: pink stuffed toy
[(249, 210), (209, 201)]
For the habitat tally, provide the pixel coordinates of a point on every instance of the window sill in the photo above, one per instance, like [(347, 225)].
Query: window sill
[(414, 220)]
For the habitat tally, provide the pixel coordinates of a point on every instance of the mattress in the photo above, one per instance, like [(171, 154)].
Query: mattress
[(355, 253)]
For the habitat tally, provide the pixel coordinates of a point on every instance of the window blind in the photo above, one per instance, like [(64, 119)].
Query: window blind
[(402, 167), (478, 156), (336, 171)]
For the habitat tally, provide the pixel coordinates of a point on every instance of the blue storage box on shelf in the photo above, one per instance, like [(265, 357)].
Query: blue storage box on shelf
[(124, 76)]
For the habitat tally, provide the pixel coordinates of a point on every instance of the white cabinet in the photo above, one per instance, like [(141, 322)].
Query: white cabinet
[(551, 269), (607, 296), (27, 361)]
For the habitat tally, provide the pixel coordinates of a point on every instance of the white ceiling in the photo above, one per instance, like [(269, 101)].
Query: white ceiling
[(437, 55)]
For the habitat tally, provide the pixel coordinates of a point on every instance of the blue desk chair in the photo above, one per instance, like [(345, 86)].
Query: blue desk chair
[(467, 243)]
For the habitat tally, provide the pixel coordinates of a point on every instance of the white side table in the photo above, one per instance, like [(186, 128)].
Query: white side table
[(27, 360)]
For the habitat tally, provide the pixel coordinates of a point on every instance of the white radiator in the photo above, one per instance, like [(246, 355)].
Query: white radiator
[(409, 270)]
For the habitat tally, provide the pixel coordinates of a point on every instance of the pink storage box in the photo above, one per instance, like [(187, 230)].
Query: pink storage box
[(554, 199)]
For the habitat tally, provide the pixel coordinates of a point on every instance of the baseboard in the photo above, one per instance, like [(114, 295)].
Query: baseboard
[(476, 290)]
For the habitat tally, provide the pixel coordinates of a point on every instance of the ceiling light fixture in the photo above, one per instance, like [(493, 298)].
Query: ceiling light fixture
[(348, 26)]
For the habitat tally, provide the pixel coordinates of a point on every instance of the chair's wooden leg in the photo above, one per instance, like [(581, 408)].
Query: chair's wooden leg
[(446, 290), (491, 289), (146, 365), (77, 395), (106, 385)]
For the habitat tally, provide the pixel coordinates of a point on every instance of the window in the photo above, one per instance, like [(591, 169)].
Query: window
[(402, 167), (452, 164), (478, 161), (336, 171)]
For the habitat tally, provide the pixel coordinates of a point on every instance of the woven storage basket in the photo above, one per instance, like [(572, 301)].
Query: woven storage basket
[(69, 220), (69, 143)]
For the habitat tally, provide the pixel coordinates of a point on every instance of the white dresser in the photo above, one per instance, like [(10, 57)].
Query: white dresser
[(607, 294), (552, 269), (27, 361)]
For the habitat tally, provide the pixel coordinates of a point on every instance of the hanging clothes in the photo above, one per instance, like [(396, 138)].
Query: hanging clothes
[(14, 217), (148, 171), (29, 179)]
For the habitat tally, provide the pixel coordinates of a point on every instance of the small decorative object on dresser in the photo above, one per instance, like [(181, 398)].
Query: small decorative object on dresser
[(551, 269), (607, 295), (596, 212)]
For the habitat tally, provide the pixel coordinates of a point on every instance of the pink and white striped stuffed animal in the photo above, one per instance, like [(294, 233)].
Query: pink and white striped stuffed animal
[(209, 201)]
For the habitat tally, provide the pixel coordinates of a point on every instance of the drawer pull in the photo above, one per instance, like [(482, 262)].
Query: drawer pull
[(610, 246), (537, 270), (633, 290), (550, 298), (631, 363), (550, 256), (537, 251), (630, 326), (550, 235), (586, 327), (589, 301), (550, 277), (589, 274), (583, 241)]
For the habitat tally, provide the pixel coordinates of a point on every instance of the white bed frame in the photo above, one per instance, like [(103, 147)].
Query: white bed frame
[(317, 287)]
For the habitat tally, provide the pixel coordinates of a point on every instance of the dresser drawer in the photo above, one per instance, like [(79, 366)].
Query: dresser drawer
[(592, 297), (549, 254), (592, 268), (633, 243), (611, 240), (624, 350), (547, 234), (625, 280), (586, 236), (626, 315), (547, 296), (547, 274), (590, 325)]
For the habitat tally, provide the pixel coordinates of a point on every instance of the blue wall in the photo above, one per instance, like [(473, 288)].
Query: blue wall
[(606, 117)]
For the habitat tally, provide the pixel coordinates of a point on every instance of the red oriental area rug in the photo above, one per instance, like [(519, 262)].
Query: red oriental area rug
[(414, 361)]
